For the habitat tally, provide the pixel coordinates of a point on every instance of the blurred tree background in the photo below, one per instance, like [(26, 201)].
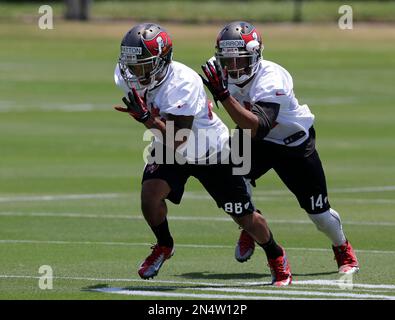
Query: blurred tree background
[(205, 11)]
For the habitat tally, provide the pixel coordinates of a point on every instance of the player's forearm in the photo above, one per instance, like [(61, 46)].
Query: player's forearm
[(241, 116), (157, 123)]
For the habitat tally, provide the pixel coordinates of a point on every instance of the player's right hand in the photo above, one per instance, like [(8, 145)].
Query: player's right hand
[(217, 81), (135, 106)]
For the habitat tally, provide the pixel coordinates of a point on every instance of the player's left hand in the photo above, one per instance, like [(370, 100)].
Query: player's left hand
[(135, 106), (217, 81)]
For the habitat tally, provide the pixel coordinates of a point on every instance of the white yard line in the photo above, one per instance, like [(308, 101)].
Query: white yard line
[(149, 293), (186, 196), (170, 217), (4, 276), (195, 195), (134, 244), (290, 198), (368, 189), (60, 197), (363, 189), (300, 293), (231, 283), (365, 201), (108, 216), (328, 283), (226, 287), (336, 283), (9, 106)]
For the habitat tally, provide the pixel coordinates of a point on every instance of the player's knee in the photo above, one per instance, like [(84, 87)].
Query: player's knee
[(150, 200), (149, 205), (244, 221), (153, 208), (248, 220), (153, 193)]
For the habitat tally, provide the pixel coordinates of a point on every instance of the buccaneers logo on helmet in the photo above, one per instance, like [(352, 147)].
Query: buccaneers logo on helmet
[(161, 43), (146, 52)]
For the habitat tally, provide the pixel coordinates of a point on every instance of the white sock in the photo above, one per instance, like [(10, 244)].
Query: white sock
[(329, 223)]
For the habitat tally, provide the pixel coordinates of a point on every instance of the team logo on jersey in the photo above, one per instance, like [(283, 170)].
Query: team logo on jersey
[(152, 167)]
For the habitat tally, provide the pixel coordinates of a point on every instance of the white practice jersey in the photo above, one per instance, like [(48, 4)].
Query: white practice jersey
[(272, 83), (182, 93)]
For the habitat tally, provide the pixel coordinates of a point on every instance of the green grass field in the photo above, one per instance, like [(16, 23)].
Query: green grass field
[(70, 169)]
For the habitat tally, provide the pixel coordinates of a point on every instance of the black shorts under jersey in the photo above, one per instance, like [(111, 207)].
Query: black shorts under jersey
[(230, 192), (299, 167)]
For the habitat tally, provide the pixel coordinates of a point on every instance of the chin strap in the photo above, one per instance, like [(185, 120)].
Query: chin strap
[(245, 77), (154, 83)]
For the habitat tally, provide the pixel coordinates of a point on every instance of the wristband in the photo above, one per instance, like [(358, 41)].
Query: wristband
[(224, 95), (144, 118)]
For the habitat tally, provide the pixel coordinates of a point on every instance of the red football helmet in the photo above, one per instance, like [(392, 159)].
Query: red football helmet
[(239, 49), (146, 52)]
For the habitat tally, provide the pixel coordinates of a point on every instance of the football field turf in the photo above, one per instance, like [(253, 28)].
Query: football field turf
[(70, 170)]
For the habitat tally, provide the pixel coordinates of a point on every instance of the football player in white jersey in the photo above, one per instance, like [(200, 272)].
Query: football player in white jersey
[(258, 95), (160, 91)]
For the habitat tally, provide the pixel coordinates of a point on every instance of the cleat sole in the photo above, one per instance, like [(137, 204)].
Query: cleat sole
[(353, 270), (243, 260)]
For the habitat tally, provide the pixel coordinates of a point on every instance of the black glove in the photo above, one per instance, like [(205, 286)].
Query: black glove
[(217, 81), (136, 106)]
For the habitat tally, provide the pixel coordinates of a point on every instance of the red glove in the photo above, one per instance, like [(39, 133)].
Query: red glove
[(136, 106), (217, 81)]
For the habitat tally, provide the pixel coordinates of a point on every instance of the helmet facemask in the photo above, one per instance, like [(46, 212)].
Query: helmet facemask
[(238, 48), (146, 72), (240, 63)]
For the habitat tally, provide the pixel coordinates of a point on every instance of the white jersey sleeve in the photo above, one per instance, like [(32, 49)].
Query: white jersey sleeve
[(119, 81), (272, 83)]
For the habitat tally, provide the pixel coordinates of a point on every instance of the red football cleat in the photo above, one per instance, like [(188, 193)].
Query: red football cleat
[(151, 265), (346, 258), (281, 272), (245, 247)]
